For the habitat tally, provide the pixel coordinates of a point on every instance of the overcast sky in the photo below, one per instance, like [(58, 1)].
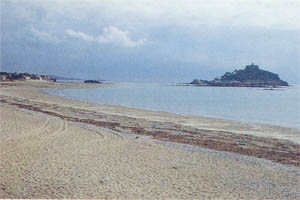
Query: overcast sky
[(164, 41)]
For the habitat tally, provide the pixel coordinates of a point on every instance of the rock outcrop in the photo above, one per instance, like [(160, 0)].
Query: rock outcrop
[(92, 81)]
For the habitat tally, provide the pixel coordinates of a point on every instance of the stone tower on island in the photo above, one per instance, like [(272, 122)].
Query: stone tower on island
[(251, 67)]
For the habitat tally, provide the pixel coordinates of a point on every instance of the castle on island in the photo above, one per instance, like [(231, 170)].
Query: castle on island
[(251, 76)]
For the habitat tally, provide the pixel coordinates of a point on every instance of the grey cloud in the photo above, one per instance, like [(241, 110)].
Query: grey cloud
[(44, 36), (110, 34)]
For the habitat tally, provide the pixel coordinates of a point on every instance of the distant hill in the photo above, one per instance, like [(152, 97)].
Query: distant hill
[(64, 78), (70, 79), (251, 76)]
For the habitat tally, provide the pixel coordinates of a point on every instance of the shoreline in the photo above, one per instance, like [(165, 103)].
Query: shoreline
[(245, 122), (80, 86), (210, 133), (242, 86), (173, 113), (53, 147)]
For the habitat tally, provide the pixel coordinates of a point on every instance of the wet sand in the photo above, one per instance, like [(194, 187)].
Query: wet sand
[(53, 147)]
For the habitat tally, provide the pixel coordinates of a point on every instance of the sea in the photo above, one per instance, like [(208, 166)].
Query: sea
[(280, 106)]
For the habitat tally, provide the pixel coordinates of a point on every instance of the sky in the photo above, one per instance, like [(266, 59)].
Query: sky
[(168, 41)]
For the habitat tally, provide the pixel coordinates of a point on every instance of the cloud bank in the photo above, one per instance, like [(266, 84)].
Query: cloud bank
[(263, 13), (150, 39), (110, 34)]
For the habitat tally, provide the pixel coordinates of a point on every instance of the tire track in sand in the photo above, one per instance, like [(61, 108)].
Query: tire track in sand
[(62, 128), (29, 135), (98, 133), (42, 128), (38, 135), (114, 133)]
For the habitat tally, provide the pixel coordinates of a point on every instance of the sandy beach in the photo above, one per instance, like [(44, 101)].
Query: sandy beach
[(52, 147)]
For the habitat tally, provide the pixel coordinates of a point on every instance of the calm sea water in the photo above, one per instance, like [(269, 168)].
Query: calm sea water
[(276, 107)]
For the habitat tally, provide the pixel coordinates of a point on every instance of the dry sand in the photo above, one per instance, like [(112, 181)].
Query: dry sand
[(58, 148)]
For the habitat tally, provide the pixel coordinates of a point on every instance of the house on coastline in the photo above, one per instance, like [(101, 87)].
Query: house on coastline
[(5, 76)]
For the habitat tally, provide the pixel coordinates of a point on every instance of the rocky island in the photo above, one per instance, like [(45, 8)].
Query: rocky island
[(92, 81), (251, 76)]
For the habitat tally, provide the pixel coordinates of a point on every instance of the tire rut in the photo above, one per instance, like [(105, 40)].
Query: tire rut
[(98, 133), (62, 128), (32, 134)]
